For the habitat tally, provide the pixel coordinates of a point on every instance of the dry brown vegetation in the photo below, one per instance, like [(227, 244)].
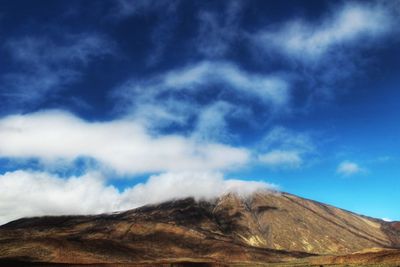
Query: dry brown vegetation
[(267, 227)]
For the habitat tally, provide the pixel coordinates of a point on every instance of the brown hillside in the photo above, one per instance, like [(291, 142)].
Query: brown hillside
[(265, 227)]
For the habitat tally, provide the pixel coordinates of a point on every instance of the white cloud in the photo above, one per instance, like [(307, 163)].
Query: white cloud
[(308, 41), (280, 158), (122, 145), (348, 168), (24, 193), (199, 185), (33, 194)]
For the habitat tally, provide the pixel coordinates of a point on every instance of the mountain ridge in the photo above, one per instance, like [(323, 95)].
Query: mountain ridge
[(263, 227)]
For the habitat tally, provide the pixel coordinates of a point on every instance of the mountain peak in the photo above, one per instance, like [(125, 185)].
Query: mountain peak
[(264, 225)]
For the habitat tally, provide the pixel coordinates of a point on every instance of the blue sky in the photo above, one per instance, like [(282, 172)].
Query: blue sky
[(110, 105)]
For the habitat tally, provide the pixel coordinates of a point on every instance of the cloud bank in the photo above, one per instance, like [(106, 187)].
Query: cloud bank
[(26, 193)]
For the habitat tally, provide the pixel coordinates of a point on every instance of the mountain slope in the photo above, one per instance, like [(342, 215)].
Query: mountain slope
[(284, 221), (264, 227)]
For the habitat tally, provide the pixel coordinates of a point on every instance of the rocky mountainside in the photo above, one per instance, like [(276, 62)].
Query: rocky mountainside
[(264, 227)]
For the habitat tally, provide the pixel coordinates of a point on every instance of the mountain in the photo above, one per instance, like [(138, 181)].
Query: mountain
[(264, 227)]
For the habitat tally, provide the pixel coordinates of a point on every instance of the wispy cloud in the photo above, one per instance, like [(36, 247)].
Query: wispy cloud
[(307, 41), (121, 145), (211, 123), (125, 8), (165, 13), (325, 55), (25, 193), (283, 148), (44, 52), (271, 90), (348, 168), (268, 88), (45, 66), (282, 158), (218, 30)]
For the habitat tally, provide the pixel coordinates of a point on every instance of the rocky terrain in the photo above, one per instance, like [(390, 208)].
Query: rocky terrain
[(266, 227)]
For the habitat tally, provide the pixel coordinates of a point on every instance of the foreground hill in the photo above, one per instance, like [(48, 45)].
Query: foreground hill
[(264, 227)]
